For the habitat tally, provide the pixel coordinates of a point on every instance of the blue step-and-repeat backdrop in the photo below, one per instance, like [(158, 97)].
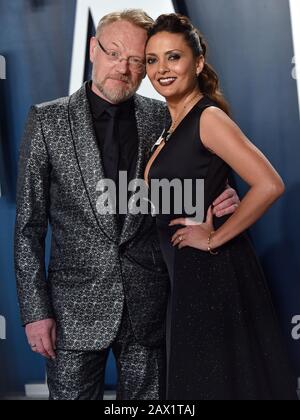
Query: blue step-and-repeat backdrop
[(255, 47)]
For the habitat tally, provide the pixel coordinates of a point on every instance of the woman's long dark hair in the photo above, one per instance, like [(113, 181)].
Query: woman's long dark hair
[(208, 80)]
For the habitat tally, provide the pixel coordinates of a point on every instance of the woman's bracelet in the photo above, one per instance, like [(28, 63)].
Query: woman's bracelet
[(209, 243)]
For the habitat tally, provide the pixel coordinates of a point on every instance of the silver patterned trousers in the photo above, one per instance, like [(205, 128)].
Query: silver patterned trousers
[(80, 375)]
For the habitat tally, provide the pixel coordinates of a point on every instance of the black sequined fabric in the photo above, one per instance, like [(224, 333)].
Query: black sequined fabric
[(223, 338)]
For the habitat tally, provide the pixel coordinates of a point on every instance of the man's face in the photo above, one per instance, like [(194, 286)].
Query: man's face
[(117, 80)]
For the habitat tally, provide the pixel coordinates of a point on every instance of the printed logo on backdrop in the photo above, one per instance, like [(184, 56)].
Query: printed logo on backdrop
[(296, 329), (2, 328), (88, 14), (294, 70), (2, 77), (2, 68), (295, 19)]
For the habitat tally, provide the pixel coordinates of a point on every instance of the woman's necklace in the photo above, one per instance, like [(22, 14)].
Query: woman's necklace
[(166, 134), (182, 114)]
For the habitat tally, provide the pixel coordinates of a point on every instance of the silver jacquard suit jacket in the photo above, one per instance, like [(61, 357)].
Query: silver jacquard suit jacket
[(93, 269)]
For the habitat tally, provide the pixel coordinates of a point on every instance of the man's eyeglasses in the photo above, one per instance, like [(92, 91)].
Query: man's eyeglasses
[(135, 63)]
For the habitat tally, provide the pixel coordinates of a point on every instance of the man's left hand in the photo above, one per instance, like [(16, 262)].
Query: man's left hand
[(227, 203)]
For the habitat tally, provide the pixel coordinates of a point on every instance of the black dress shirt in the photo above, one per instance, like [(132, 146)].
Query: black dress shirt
[(127, 133), (127, 127)]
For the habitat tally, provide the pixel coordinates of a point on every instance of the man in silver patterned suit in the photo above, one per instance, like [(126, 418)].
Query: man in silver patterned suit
[(107, 286)]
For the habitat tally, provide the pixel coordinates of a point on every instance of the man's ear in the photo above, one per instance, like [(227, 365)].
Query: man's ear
[(93, 46)]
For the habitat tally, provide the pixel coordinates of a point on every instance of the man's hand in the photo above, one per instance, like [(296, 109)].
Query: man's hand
[(227, 203), (41, 337)]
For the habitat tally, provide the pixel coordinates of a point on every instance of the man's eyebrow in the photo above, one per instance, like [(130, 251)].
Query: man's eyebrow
[(118, 46)]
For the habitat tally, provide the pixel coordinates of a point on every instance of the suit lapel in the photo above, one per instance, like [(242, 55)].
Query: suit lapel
[(89, 158), (146, 137)]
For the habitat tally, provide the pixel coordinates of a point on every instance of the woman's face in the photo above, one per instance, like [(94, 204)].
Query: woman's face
[(171, 65)]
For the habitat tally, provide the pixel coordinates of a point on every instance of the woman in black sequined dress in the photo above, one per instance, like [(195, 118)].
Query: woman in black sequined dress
[(223, 338)]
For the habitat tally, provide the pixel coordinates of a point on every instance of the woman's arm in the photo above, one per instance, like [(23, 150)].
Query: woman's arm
[(222, 136)]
